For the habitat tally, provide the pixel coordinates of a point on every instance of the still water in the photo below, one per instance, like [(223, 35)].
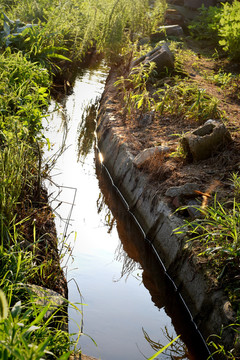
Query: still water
[(126, 305)]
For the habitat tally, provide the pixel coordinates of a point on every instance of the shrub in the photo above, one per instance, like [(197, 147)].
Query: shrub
[(229, 29), (206, 25)]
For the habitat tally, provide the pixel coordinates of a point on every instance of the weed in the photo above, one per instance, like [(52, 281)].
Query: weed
[(229, 29), (221, 25), (134, 88), (186, 99), (206, 25), (236, 185), (24, 334)]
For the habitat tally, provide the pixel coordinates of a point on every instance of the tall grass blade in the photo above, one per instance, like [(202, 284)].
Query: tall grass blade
[(163, 349)]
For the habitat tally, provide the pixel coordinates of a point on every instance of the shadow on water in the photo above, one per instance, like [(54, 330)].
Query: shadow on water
[(135, 252)]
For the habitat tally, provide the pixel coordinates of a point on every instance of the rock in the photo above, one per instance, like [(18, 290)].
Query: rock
[(44, 297), (187, 189), (143, 57), (144, 41), (147, 154), (194, 209), (195, 4), (167, 30), (146, 119), (161, 55), (174, 17), (163, 58), (201, 143), (228, 311)]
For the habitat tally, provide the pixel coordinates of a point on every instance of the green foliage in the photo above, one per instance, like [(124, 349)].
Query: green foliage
[(3, 306), (188, 100), (79, 25), (182, 98), (218, 233), (33, 41), (136, 95), (163, 349), (229, 29), (219, 350), (25, 335), (206, 25), (16, 161), (236, 185), (221, 25), (23, 96)]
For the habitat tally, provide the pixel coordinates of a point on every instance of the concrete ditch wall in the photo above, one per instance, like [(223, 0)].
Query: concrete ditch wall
[(209, 307)]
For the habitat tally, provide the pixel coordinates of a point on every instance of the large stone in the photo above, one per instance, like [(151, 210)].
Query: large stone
[(174, 17), (148, 154), (204, 141), (165, 31), (46, 297), (195, 4), (187, 189), (161, 56)]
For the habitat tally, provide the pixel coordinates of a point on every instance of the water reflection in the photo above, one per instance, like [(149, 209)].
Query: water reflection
[(86, 130), (117, 311), (178, 350), (102, 209), (136, 253)]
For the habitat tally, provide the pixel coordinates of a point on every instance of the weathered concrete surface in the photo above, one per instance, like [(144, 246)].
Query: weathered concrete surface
[(205, 140), (149, 153), (165, 31), (161, 56), (207, 306)]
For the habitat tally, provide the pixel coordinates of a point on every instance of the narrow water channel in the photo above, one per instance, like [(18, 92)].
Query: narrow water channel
[(128, 308)]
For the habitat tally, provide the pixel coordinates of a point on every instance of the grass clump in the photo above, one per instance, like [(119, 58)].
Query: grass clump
[(180, 98), (186, 99), (215, 239)]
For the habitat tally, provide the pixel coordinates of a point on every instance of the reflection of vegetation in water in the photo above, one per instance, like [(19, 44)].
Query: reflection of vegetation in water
[(177, 351), (108, 218), (86, 130), (128, 265)]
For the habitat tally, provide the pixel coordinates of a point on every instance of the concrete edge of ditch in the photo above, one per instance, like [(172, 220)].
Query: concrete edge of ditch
[(210, 308)]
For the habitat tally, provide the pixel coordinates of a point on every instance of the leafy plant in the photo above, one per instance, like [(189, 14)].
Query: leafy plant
[(24, 95), (135, 93), (186, 99), (215, 342), (229, 29), (206, 25), (24, 335), (32, 40), (218, 233), (13, 31), (236, 185)]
